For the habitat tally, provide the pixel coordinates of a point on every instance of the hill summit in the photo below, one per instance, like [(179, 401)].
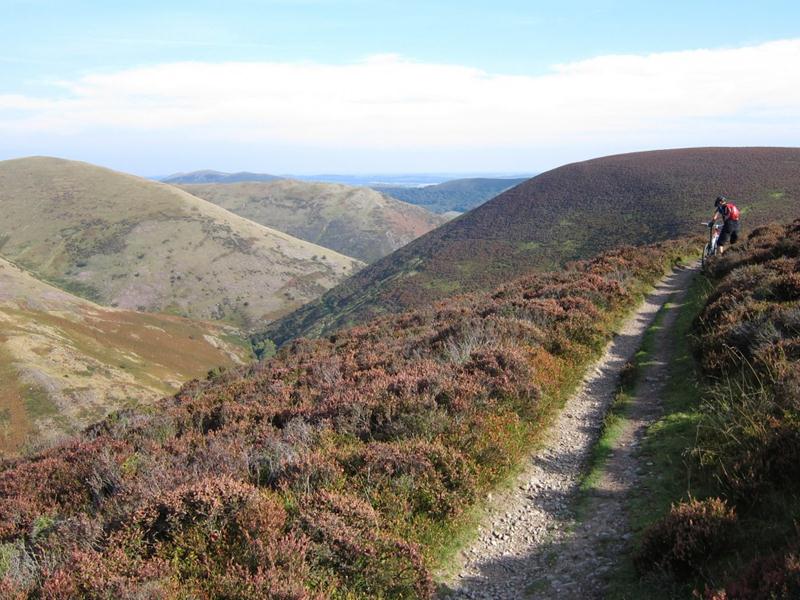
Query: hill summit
[(569, 213), (129, 242)]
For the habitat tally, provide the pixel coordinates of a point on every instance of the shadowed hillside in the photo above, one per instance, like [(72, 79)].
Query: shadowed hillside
[(571, 212), (460, 195), (355, 221), (125, 241), (66, 362)]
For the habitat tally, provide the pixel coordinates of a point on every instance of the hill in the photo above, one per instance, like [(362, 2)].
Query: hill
[(459, 195), (568, 213), (66, 362), (209, 176), (341, 468), (124, 241), (355, 221)]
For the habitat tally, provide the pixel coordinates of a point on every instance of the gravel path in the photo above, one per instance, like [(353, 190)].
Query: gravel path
[(530, 544)]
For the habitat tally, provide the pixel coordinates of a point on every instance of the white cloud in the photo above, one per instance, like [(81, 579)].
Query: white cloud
[(388, 102)]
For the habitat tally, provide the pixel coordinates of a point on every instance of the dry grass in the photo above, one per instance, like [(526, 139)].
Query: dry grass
[(66, 362), (125, 241)]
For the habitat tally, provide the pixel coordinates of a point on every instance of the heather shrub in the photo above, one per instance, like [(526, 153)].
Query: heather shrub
[(323, 471), (747, 445), (415, 477), (775, 577), (357, 555), (685, 540), (748, 341)]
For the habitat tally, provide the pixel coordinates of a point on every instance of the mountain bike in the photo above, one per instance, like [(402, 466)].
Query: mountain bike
[(711, 247)]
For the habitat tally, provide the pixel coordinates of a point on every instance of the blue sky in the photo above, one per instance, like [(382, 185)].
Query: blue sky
[(52, 52)]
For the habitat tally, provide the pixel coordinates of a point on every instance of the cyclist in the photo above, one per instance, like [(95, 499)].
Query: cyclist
[(729, 214)]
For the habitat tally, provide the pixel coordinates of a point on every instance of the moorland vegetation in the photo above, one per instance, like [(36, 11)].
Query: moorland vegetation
[(342, 467), (735, 533), (569, 213)]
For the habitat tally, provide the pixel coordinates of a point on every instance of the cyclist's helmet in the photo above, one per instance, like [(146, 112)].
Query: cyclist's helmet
[(720, 200)]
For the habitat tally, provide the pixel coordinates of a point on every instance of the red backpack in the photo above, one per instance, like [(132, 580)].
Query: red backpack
[(732, 212)]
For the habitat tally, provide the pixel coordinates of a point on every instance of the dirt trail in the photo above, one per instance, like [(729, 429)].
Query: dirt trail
[(531, 545)]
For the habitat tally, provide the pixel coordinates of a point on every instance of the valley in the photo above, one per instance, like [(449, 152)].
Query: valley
[(455, 196), (357, 222), (399, 434)]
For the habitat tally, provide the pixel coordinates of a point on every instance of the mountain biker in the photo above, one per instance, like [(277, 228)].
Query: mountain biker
[(729, 214)]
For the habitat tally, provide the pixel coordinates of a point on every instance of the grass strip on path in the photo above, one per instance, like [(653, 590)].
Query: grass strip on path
[(615, 419)]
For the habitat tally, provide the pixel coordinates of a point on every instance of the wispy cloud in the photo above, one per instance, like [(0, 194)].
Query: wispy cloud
[(391, 102)]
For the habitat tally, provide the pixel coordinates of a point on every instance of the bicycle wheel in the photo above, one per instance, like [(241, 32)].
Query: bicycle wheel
[(707, 253)]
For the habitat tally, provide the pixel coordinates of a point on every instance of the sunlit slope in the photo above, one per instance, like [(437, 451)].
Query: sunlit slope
[(355, 221), (129, 242), (575, 211), (65, 361)]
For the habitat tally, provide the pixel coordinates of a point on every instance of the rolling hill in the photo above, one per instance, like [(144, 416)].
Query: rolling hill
[(65, 362), (124, 241), (355, 221), (209, 176), (459, 195), (571, 212)]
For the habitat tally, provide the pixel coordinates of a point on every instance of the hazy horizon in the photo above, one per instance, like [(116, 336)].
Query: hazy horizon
[(356, 87)]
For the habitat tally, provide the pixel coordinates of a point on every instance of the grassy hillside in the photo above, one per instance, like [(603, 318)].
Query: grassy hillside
[(66, 362), (355, 221), (568, 213), (125, 241), (341, 468), (459, 195), (209, 176)]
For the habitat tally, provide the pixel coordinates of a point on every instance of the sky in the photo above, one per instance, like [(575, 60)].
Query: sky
[(357, 86)]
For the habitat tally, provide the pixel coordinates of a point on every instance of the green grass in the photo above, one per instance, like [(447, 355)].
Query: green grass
[(669, 477), (38, 402)]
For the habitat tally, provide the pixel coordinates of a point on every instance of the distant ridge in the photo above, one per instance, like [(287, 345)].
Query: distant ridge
[(571, 212), (460, 195), (210, 176), (356, 221)]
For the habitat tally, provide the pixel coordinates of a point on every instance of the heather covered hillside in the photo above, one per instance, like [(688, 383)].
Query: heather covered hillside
[(355, 221), (66, 362), (128, 242), (728, 449), (567, 213), (340, 468)]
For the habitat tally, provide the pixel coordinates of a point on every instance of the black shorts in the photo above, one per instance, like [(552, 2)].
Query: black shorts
[(730, 230)]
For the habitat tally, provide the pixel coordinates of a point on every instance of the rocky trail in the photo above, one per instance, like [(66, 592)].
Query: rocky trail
[(531, 543)]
